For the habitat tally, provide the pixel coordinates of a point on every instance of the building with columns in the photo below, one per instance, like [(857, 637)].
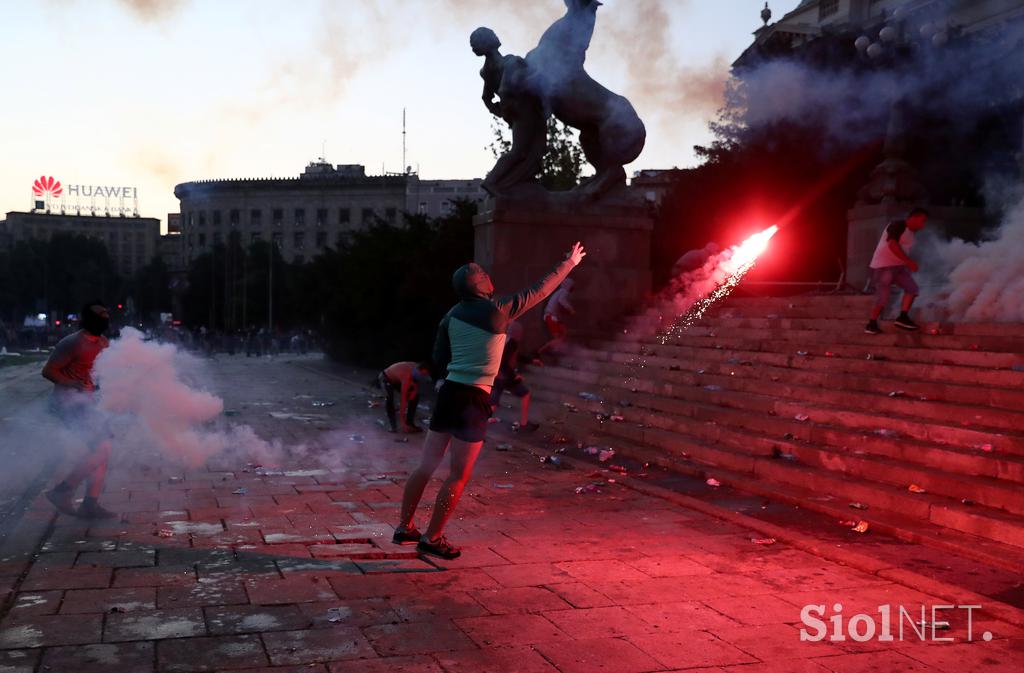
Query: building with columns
[(305, 215)]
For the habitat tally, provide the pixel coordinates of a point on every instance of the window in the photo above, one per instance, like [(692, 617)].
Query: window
[(191, 219), (278, 216), (827, 8), (300, 217), (255, 237), (256, 217), (202, 218), (217, 238), (298, 238), (391, 214), (216, 218), (321, 239), (423, 208), (233, 217), (367, 215), (340, 240), (344, 215), (202, 240), (446, 207), (190, 240), (321, 217), (277, 238)]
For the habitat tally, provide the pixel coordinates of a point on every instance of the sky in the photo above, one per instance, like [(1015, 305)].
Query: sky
[(151, 93)]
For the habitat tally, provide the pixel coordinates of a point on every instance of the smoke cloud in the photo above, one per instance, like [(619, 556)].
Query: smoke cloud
[(153, 10)]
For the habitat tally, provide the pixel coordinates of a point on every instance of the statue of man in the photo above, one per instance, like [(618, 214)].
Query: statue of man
[(506, 78)]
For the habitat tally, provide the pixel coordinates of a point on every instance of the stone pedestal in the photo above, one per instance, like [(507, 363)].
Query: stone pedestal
[(519, 240)]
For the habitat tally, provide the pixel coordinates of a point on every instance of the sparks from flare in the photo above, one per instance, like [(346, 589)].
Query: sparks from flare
[(743, 258)]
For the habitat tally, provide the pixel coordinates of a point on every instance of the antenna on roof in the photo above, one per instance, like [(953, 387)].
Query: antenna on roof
[(405, 166), (323, 151)]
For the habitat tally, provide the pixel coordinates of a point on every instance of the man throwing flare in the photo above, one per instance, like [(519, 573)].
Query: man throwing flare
[(469, 345)]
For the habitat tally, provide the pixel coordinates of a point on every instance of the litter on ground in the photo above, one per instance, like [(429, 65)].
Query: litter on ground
[(713, 482), (914, 488), (763, 540)]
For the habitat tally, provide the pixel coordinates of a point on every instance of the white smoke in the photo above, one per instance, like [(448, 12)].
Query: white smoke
[(153, 399), (980, 282)]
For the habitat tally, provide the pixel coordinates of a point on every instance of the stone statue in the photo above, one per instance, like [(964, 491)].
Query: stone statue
[(611, 132), (507, 78)]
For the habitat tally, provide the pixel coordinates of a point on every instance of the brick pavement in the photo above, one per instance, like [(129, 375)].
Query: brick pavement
[(298, 573)]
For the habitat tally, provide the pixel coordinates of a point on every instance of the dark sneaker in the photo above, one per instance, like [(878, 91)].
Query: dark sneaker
[(61, 499), (403, 536), (904, 322), (872, 327), (439, 547), (90, 509)]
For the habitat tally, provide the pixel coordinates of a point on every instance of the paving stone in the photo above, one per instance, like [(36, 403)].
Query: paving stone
[(349, 550), (43, 579), (361, 612), (296, 536), (774, 641), (691, 649), (499, 630), (78, 601), (579, 595), (100, 658), (675, 617), (409, 565), (18, 661), (591, 623), (888, 659), (418, 638), (603, 655), (155, 577), (317, 645), (756, 610), (419, 608), (605, 571), (292, 589), (50, 631), (522, 659), (520, 599), (669, 566), (222, 590), (254, 619), (190, 655), (117, 559), (154, 625), (529, 574), (35, 603), (414, 664)]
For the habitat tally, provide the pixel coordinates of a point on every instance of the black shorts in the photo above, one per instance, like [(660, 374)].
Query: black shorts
[(461, 411)]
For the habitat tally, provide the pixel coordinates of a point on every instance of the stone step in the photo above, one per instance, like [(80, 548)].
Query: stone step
[(678, 398), (926, 405), (998, 380), (991, 492), (917, 531), (781, 434), (976, 520), (855, 325), (837, 340), (854, 375), (929, 356)]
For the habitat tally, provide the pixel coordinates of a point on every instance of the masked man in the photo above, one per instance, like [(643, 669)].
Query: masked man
[(74, 403)]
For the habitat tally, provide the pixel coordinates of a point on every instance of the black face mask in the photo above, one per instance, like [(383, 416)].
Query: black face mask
[(94, 324)]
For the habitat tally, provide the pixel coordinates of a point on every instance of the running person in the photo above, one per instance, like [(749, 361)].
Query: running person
[(73, 402), (892, 265), (469, 344), (403, 377)]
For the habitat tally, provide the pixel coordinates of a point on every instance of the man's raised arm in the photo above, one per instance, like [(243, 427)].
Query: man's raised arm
[(521, 302)]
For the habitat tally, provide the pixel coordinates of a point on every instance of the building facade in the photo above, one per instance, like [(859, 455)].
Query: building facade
[(131, 241), (304, 216)]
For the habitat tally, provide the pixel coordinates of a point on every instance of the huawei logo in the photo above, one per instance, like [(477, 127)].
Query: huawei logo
[(46, 185)]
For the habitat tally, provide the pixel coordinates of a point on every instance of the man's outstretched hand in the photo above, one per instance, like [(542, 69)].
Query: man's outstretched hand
[(576, 254)]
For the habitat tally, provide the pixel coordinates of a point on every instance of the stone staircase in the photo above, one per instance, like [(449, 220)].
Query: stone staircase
[(788, 398)]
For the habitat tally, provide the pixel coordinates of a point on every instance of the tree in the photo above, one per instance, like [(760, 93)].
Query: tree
[(150, 288), (564, 162)]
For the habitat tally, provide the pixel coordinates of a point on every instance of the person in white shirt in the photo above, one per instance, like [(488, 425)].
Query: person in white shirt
[(892, 265)]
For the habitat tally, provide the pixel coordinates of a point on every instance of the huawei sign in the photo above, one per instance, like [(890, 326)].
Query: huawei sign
[(47, 186)]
